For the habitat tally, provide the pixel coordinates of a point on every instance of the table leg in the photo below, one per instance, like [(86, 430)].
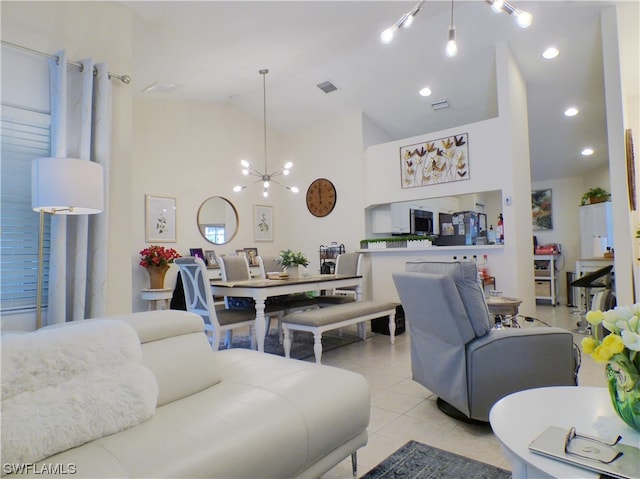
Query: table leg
[(392, 328), (260, 324)]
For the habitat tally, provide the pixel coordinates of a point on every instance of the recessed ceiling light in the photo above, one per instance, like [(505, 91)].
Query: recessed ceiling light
[(572, 111), (587, 152), (550, 53), (426, 91)]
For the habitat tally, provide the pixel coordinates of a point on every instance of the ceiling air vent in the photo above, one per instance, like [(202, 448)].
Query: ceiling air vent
[(327, 86), (440, 104)]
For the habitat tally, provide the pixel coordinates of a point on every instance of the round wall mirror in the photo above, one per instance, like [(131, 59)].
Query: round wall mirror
[(217, 220)]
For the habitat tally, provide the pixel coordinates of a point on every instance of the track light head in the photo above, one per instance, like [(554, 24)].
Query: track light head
[(387, 35), (523, 19), (451, 49)]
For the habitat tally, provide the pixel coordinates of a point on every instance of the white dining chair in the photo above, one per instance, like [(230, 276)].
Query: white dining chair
[(199, 299)]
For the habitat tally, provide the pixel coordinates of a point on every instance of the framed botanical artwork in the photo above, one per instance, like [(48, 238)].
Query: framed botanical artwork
[(252, 256), (541, 216), (262, 223), (160, 213)]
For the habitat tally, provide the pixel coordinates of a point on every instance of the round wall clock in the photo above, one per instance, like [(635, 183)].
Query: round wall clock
[(321, 197)]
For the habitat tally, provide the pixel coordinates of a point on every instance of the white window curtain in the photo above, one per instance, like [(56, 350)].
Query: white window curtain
[(80, 128)]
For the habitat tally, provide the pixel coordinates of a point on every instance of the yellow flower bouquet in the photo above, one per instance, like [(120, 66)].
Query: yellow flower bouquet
[(618, 349)]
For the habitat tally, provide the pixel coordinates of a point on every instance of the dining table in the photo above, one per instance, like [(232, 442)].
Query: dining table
[(261, 289)]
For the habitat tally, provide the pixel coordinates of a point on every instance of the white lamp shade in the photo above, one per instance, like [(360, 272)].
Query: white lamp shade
[(67, 186)]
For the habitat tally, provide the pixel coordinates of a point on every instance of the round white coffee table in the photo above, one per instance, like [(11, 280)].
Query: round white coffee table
[(519, 418)]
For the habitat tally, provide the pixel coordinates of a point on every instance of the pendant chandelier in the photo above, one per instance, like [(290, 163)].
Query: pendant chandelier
[(265, 177)]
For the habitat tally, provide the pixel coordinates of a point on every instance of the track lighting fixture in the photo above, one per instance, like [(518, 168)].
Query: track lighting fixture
[(405, 21), (522, 18), (265, 177)]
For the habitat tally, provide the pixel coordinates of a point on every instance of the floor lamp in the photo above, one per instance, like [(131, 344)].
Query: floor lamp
[(63, 186)]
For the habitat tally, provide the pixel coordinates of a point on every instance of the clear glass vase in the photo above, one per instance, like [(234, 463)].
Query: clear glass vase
[(624, 387)]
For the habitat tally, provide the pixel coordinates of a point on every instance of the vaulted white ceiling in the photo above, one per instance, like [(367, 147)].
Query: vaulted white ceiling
[(213, 50)]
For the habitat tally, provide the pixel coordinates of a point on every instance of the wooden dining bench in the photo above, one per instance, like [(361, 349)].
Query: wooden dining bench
[(318, 321)]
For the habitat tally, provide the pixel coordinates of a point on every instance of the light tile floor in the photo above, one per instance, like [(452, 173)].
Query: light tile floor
[(402, 409)]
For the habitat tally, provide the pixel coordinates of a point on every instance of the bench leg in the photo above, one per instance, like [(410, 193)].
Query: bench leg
[(392, 328), (286, 341), (317, 345)]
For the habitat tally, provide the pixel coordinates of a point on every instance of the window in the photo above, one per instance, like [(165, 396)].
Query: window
[(214, 233), (25, 136)]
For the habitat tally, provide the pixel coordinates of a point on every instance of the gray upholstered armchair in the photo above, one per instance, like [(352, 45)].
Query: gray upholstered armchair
[(457, 355)]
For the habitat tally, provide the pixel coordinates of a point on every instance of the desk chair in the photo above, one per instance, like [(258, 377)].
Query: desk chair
[(595, 279), (199, 299)]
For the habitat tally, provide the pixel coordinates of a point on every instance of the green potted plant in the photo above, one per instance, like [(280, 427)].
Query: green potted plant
[(291, 261), (595, 195)]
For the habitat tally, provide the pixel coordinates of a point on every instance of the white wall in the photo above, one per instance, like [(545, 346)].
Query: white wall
[(191, 151), (331, 150), (565, 198), (491, 150), (208, 141)]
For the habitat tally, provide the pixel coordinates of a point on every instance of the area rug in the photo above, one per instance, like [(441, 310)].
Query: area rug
[(302, 346), (415, 460)]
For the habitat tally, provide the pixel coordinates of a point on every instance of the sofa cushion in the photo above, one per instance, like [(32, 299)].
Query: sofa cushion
[(65, 386), (465, 276), (176, 349)]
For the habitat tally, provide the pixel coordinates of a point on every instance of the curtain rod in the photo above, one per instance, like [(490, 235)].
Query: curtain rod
[(126, 79)]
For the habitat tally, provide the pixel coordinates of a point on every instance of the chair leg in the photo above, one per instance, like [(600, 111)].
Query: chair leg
[(354, 463), (228, 340), (252, 335), (287, 342), (317, 346), (215, 340)]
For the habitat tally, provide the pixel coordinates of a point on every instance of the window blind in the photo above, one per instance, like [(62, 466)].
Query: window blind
[(25, 136)]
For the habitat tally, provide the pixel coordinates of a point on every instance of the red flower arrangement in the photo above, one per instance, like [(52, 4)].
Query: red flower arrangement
[(157, 256)]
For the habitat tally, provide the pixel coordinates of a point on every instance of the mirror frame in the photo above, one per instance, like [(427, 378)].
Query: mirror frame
[(235, 213)]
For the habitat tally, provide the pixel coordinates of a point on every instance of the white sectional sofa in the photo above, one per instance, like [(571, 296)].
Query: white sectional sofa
[(224, 414)]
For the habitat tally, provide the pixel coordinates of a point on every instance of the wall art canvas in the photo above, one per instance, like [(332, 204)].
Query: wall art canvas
[(262, 223), (160, 219), (541, 216), (433, 162)]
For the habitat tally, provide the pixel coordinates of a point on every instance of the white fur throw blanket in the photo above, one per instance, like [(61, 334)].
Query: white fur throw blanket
[(65, 386)]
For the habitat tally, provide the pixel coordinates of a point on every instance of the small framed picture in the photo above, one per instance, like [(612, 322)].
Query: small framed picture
[(160, 219), (263, 223), (241, 252), (252, 256), (210, 258), (197, 252)]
